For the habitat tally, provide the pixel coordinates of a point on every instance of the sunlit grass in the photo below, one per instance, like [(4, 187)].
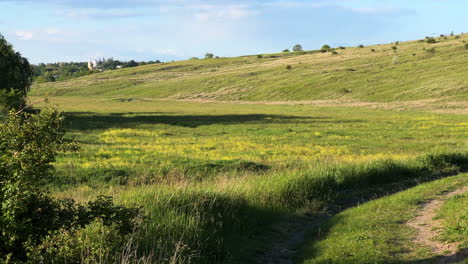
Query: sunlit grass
[(150, 142), (211, 176)]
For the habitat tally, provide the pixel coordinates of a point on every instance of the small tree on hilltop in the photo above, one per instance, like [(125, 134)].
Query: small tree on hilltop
[(325, 48), (16, 77), (209, 55), (297, 47)]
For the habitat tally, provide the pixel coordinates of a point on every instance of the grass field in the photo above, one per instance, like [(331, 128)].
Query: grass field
[(214, 176), (376, 231), (219, 151), (418, 77), (145, 142)]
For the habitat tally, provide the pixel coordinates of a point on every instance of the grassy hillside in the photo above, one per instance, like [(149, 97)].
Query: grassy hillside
[(416, 70)]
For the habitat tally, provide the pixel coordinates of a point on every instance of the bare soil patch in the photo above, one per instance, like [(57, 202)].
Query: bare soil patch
[(428, 229)]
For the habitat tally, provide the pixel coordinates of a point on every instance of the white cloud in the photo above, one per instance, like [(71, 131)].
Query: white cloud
[(382, 10), (296, 4), (367, 10), (96, 13), (53, 31), (24, 35), (221, 12), (166, 52)]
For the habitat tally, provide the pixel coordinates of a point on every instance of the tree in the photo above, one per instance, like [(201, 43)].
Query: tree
[(132, 63), (297, 47), (209, 55), (325, 48), (286, 50), (16, 76)]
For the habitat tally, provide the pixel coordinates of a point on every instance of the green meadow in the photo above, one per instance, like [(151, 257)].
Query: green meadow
[(213, 177), (144, 141), (219, 152)]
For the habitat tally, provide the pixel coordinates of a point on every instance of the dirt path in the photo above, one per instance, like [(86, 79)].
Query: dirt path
[(430, 105), (288, 237), (428, 229)]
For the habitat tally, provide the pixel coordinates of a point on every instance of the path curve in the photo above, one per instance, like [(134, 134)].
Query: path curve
[(428, 229)]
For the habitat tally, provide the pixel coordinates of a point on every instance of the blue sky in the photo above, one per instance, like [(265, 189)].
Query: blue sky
[(75, 30)]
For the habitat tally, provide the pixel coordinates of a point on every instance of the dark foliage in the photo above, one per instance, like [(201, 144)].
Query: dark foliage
[(15, 77)]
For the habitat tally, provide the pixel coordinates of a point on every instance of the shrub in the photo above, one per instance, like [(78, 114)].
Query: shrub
[(288, 67), (95, 243), (297, 47), (372, 50), (259, 56), (333, 52), (431, 50), (209, 55), (325, 48), (341, 47), (466, 45), (430, 40), (361, 46), (28, 146), (394, 48), (286, 50)]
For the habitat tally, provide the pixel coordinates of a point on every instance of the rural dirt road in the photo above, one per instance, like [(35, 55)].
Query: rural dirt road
[(428, 229)]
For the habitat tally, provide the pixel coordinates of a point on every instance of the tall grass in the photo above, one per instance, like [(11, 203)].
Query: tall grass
[(205, 224)]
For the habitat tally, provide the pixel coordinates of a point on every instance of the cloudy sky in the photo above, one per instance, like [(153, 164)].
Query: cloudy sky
[(75, 30)]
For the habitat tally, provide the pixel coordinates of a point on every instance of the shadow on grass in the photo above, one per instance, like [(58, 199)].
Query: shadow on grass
[(458, 258), (92, 121), (355, 185)]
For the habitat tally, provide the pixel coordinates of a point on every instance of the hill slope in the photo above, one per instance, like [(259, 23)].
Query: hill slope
[(372, 74)]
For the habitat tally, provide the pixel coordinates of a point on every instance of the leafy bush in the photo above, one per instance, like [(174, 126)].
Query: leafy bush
[(15, 78), (466, 45), (28, 146), (325, 48), (259, 56), (361, 46), (333, 52), (297, 47), (96, 243), (431, 40), (431, 50), (288, 67), (209, 55), (372, 50), (286, 50)]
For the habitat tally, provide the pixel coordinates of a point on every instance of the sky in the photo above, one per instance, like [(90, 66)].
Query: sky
[(143, 30)]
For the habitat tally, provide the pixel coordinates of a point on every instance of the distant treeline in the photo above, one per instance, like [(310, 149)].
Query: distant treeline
[(59, 71)]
